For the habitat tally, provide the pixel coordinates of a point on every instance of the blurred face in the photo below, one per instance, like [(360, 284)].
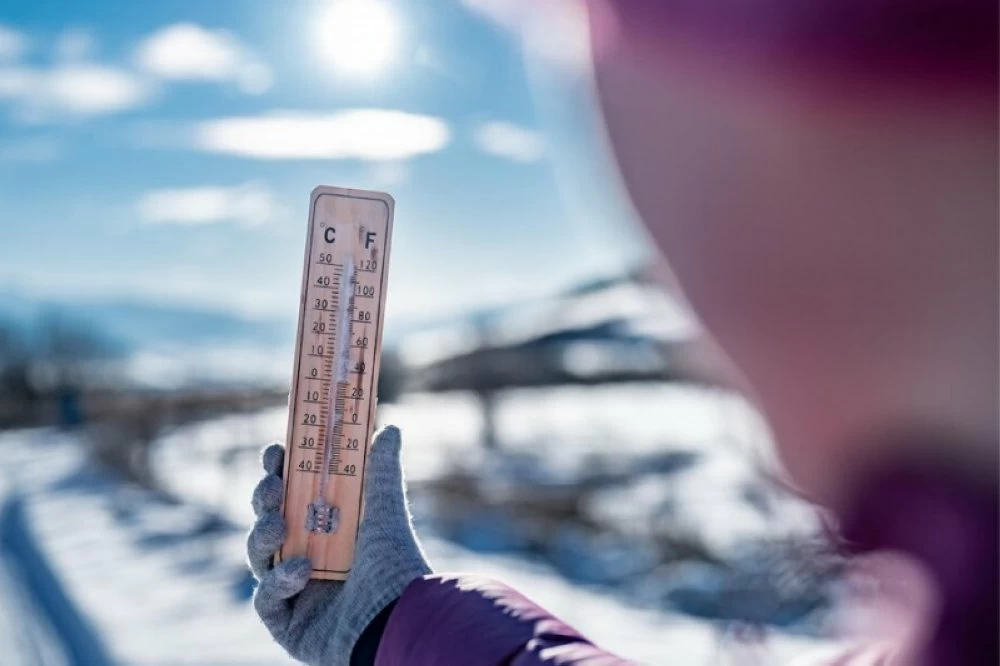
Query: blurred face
[(836, 233)]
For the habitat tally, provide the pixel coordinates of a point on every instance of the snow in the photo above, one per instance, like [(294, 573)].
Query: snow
[(158, 592), (26, 639), (234, 364), (563, 429), (164, 581)]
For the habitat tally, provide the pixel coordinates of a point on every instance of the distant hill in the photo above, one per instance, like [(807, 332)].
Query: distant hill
[(175, 343), (136, 325)]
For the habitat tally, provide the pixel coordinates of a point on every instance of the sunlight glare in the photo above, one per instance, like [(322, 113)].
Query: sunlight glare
[(358, 37)]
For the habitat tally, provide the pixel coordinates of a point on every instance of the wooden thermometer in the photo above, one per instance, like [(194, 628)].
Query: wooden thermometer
[(331, 411)]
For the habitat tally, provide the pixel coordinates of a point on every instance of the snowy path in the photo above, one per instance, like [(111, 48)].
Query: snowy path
[(41, 600), (25, 636), (157, 588), (21, 633)]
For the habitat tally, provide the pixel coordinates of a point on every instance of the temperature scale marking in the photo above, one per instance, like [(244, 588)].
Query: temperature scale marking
[(335, 381)]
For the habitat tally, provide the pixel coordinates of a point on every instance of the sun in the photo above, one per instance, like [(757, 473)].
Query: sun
[(358, 38)]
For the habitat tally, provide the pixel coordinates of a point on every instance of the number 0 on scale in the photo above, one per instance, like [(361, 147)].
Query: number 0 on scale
[(335, 380)]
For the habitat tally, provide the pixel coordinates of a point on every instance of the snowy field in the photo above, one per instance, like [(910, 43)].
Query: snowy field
[(163, 582), (562, 430)]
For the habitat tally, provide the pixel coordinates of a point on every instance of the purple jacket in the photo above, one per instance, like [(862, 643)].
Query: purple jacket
[(470, 620)]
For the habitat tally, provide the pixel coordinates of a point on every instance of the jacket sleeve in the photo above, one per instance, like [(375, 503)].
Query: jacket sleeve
[(473, 621)]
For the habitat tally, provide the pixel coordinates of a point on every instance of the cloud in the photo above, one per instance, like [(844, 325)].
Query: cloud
[(365, 134), (13, 44), (249, 204), (189, 52), (510, 141), (557, 31), (93, 89), (77, 89), (73, 86), (37, 150), (16, 82)]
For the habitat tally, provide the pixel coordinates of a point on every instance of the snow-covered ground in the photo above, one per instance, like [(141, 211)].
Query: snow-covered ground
[(564, 428), (163, 582), (212, 464), (153, 583)]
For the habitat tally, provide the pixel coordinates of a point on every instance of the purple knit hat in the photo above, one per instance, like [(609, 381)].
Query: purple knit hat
[(942, 42)]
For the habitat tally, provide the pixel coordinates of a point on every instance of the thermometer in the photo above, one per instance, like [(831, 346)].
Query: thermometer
[(331, 410)]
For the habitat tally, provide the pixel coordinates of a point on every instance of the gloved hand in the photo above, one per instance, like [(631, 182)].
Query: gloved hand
[(317, 621)]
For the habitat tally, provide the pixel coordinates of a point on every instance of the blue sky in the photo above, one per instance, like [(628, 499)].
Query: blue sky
[(167, 151)]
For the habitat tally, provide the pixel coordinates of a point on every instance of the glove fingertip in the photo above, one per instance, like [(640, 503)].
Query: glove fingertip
[(291, 576), (388, 442), (272, 459), (384, 467)]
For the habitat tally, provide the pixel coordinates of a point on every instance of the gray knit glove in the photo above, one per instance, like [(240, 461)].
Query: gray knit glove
[(317, 621)]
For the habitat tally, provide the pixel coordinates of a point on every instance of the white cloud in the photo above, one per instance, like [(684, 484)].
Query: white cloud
[(93, 89), (13, 44), (366, 134), (72, 89), (249, 204), (556, 31), (37, 150), (189, 52), (73, 86), (510, 141), (16, 82)]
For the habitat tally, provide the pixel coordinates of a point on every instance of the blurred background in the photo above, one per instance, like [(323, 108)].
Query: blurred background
[(565, 428)]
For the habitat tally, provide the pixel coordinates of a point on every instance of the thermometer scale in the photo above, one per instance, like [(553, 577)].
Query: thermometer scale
[(335, 381)]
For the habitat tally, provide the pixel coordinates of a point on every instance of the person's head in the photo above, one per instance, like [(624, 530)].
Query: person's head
[(822, 179)]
